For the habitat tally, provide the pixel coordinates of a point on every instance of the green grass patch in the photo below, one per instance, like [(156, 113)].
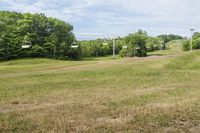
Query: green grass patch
[(130, 94), (190, 61)]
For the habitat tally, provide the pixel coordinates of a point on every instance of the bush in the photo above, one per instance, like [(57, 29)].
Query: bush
[(196, 43), (186, 45), (153, 44), (137, 44)]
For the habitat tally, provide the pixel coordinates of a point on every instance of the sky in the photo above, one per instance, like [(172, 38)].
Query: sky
[(103, 18)]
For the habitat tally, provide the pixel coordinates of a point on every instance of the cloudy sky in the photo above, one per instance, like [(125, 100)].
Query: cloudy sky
[(116, 17)]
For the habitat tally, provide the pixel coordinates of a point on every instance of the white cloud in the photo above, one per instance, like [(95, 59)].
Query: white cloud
[(117, 16)]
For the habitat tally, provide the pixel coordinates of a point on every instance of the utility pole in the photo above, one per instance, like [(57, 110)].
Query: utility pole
[(192, 30)]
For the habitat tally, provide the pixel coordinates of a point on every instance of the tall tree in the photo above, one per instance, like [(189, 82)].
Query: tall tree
[(49, 37), (137, 44)]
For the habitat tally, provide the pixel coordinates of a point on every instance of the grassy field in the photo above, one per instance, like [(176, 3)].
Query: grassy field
[(159, 93)]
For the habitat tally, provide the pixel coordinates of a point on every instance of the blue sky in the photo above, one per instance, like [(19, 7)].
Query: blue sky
[(116, 17)]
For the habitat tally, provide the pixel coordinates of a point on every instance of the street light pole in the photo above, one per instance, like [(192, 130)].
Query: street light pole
[(192, 30)]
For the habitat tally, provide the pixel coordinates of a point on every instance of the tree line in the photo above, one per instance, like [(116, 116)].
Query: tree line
[(45, 36), (35, 35), (136, 44), (195, 42)]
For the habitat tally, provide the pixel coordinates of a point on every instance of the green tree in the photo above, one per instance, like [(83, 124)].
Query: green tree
[(186, 45), (195, 43), (167, 38), (196, 40), (136, 44), (49, 35), (37, 51), (153, 43)]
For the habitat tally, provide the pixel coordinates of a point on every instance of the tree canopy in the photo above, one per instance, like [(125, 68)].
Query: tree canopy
[(35, 35), (167, 38), (136, 44), (100, 47), (46, 36), (195, 42)]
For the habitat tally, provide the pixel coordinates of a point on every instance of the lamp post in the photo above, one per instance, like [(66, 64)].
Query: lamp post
[(192, 32), (114, 45)]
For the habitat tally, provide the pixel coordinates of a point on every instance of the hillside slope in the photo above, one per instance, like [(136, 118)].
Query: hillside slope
[(152, 94)]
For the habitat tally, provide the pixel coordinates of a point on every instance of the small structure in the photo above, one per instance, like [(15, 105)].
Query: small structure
[(26, 46), (26, 42), (124, 47), (74, 46)]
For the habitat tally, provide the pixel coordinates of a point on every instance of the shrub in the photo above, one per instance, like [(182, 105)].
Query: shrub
[(186, 45)]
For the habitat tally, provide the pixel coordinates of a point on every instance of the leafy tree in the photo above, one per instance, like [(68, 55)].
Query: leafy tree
[(50, 36), (136, 44), (186, 45), (196, 40), (167, 38), (170, 37), (123, 52), (37, 51), (99, 47), (195, 43), (75, 53), (153, 43)]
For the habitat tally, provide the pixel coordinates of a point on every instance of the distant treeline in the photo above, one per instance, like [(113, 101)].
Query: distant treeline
[(35, 35), (136, 44)]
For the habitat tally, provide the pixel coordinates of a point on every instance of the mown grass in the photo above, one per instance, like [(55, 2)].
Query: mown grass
[(185, 62), (174, 47), (153, 94)]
